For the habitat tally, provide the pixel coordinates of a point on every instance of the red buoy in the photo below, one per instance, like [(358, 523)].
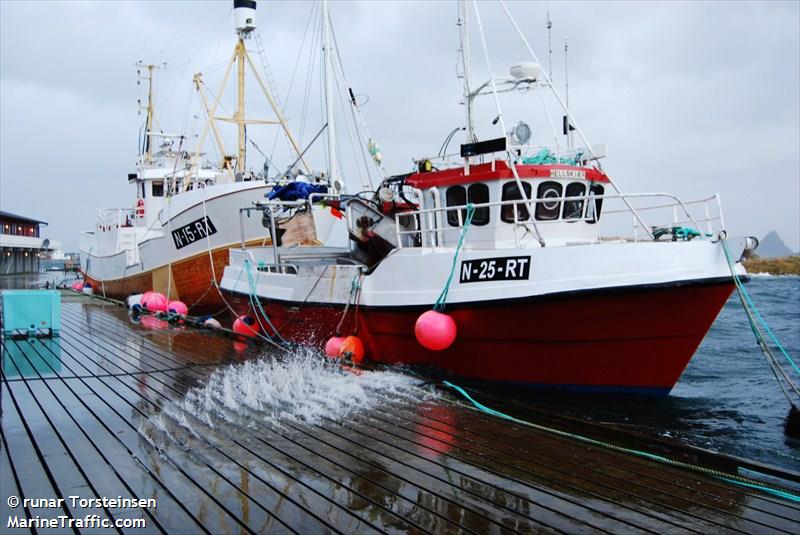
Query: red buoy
[(245, 326), (435, 331), (77, 286), (334, 346), (156, 302), (353, 348), (177, 307), (145, 297)]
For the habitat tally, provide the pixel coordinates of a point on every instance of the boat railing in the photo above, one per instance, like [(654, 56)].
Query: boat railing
[(431, 228), (549, 154), (119, 217)]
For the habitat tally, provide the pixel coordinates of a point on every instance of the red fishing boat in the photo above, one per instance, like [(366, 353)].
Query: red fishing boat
[(524, 247)]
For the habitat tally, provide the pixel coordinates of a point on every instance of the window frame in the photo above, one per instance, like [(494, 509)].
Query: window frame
[(541, 192), (522, 209), (578, 214)]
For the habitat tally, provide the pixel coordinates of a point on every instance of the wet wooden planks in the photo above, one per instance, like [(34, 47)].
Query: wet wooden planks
[(97, 412)]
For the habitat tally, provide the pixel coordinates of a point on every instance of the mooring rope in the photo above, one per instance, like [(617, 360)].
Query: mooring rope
[(441, 301), (731, 478), (748, 302)]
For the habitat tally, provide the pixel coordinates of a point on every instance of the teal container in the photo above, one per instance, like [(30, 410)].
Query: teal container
[(31, 312)]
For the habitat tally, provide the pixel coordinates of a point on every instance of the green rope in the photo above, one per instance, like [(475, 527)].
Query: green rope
[(441, 301), (731, 478), (255, 302), (749, 301)]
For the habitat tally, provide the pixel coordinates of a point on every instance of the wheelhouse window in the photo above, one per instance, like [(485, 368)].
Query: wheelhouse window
[(574, 209), (549, 207), (460, 196), (511, 193), (158, 189), (479, 194), (594, 205), (456, 196)]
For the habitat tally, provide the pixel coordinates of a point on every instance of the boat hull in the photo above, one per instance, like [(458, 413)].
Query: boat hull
[(625, 339), (191, 282)]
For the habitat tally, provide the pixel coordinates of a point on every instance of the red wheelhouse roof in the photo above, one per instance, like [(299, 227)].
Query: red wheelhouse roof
[(483, 172)]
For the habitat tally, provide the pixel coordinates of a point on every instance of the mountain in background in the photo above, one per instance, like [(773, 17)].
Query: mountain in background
[(772, 246)]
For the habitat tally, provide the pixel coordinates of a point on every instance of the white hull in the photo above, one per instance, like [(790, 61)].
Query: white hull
[(112, 253)]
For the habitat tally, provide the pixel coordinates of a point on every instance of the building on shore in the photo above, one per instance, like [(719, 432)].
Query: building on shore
[(21, 246)]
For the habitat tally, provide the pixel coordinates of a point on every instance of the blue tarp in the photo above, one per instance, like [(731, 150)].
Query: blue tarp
[(295, 191)]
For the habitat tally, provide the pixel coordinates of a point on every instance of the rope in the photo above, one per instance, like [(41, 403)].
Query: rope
[(730, 478), (255, 302), (441, 301), (749, 302), (355, 286)]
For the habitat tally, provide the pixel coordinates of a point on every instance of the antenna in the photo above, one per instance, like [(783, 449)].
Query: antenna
[(568, 126), (566, 73), (549, 43)]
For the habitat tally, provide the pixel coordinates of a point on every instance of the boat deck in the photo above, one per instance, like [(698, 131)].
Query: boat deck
[(81, 416)]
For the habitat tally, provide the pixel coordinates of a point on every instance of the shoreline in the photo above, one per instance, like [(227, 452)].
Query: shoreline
[(783, 265)]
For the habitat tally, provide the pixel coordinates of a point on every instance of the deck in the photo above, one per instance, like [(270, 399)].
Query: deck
[(100, 412)]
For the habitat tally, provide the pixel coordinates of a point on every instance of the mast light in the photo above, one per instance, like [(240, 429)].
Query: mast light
[(244, 12)]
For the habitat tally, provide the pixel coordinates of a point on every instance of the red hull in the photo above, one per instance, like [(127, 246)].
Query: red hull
[(638, 339)]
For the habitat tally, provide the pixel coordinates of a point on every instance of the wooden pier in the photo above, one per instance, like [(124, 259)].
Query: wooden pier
[(78, 413)]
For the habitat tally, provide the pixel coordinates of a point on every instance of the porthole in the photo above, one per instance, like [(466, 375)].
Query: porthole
[(549, 207)]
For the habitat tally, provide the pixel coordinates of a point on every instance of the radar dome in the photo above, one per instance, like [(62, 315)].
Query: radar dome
[(525, 71), (244, 12)]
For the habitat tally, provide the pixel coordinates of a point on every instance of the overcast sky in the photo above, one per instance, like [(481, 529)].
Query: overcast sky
[(692, 97)]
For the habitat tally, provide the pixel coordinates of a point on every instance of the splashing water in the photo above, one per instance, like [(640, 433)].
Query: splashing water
[(303, 388)]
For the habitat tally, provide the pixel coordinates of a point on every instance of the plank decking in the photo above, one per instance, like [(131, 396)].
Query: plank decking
[(82, 416)]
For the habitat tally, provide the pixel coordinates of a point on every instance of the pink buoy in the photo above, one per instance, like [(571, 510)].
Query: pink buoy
[(177, 307), (435, 331), (245, 326), (145, 297), (334, 346), (77, 286), (156, 302)]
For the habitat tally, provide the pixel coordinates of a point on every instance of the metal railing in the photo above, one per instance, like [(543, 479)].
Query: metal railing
[(431, 228)]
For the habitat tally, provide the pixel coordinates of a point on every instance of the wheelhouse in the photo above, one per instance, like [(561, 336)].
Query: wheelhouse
[(564, 202)]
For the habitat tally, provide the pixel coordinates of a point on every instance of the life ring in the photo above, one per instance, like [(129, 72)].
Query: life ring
[(140, 208)]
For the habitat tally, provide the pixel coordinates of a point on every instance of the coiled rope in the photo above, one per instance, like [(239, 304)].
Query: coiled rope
[(731, 478)]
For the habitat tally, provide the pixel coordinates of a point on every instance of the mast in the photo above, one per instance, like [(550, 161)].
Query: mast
[(464, 35), (244, 12), (326, 44), (239, 52), (150, 108)]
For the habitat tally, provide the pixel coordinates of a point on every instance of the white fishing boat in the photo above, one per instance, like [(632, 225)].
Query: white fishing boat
[(175, 238), (519, 249)]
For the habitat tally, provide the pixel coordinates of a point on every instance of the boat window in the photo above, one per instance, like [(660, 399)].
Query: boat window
[(158, 189), (456, 196), (594, 205), (574, 209), (549, 209), (511, 193), (479, 194)]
